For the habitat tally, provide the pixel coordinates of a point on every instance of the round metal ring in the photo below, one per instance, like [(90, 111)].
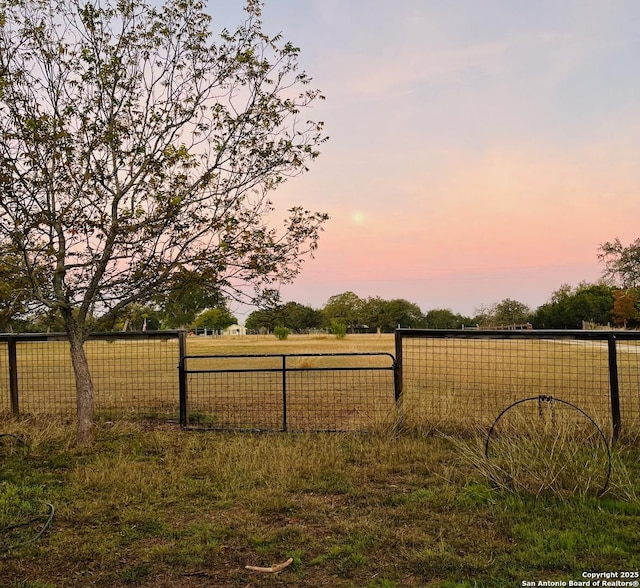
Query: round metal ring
[(543, 398)]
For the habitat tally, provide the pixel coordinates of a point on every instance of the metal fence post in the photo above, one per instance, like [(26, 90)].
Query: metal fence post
[(614, 387), (284, 393), (182, 377), (13, 376), (397, 382), (397, 369)]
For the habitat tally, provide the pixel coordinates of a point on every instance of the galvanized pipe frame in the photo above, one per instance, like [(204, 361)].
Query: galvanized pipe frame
[(284, 369)]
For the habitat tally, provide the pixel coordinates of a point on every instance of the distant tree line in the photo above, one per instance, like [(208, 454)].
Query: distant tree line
[(568, 308), (346, 309), (194, 308), (192, 304), (188, 304)]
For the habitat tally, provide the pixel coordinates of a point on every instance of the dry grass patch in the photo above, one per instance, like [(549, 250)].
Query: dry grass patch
[(163, 507)]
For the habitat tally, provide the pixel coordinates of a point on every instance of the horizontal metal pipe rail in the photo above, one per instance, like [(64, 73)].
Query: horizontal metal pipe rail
[(106, 336), (283, 368)]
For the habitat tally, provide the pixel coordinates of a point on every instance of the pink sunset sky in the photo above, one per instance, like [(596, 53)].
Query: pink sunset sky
[(479, 150)]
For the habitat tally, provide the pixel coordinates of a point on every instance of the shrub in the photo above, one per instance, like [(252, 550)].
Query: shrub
[(339, 329), (281, 332)]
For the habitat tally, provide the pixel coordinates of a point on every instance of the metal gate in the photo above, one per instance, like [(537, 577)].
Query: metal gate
[(296, 392)]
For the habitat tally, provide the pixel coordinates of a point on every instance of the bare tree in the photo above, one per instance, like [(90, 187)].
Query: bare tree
[(485, 314), (134, 147)]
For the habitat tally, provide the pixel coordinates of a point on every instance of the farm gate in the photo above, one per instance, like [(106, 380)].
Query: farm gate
[(294, 392)]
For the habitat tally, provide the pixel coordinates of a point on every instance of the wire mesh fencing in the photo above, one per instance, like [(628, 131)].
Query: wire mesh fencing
[(464, 379), (628, 372), (134, 374), (301, 392), (5, 396), (451, 380)]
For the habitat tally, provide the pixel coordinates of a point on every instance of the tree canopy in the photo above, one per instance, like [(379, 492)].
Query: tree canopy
[(621, 263), (344, 308), (445, 318), (292, 315), (14, 289), (188, 294), (511, 312), (135, 146), (625, 306), (216, 319), (386, 315), (569, 307)]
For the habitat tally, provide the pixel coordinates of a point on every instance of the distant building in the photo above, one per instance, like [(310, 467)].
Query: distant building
[(235, 330)]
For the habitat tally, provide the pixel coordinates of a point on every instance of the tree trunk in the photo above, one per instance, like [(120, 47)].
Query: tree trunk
[(84, 389)]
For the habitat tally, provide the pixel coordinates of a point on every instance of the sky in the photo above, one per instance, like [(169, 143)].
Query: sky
[(479, 149)]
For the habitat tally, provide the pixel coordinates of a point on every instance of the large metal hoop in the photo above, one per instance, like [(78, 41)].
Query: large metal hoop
[(551, 399)]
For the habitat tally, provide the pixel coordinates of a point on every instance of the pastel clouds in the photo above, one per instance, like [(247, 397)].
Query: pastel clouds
[(479, 150), (483, 213)]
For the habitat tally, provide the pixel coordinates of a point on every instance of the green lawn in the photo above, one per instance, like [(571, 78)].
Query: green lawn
[(160, 507)]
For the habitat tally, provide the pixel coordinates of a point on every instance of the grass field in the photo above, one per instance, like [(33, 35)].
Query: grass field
[(162, 507), (319, 343), (409, 504)]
